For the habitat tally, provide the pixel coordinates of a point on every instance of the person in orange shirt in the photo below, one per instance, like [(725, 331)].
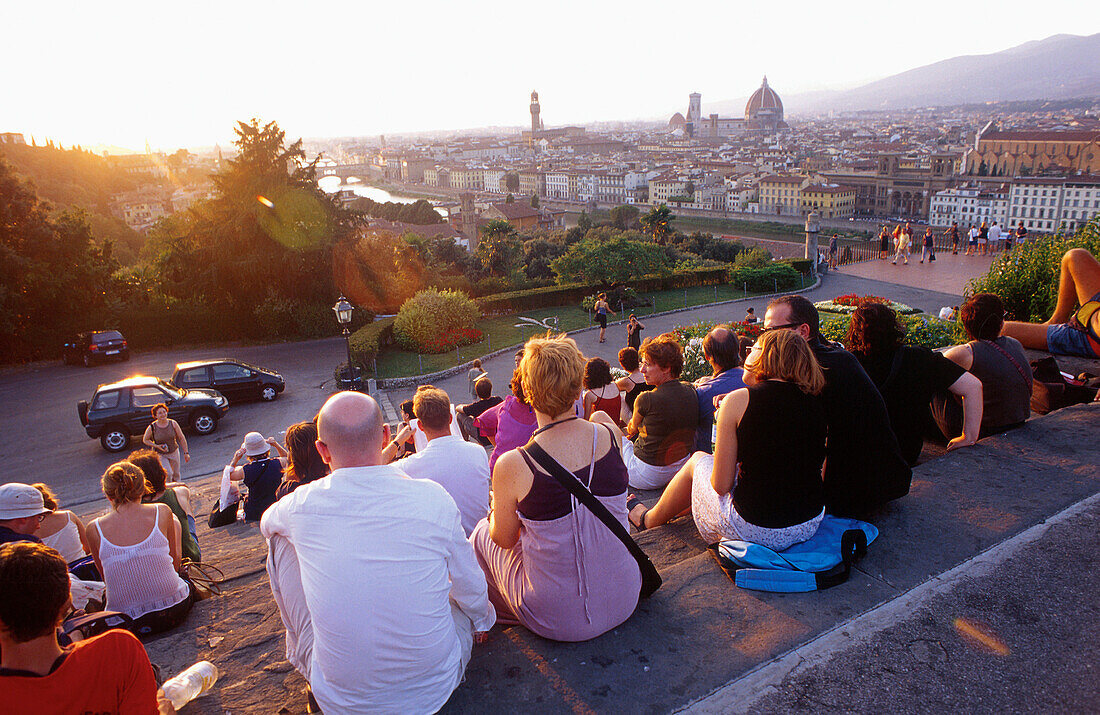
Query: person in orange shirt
[(108, 673)]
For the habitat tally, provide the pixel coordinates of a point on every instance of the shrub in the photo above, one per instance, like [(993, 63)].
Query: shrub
[(431, 318), (847, 304), (691, 340), (804, 266), (1027, 278), (368, 341), (923, 330), (772, 278)]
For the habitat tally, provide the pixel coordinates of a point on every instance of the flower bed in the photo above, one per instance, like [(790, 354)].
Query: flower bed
[(924, 330), (847, 304)]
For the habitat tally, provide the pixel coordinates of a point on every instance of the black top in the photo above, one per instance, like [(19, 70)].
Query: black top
[(262, 479), (474, 409), (920, 374), (864, 467), (8, 535), (780, 448), (632, 393)]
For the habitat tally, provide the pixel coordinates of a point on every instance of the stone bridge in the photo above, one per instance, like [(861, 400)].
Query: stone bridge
[(363, 172)]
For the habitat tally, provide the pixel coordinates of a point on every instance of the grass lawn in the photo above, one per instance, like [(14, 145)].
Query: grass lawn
[(500, 331)]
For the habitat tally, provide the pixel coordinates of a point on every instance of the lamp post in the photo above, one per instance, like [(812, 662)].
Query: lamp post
[(343, 310), (813, 225)]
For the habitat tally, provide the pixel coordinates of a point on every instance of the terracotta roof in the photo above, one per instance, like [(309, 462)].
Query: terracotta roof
[(1041, 136), (516, 210)]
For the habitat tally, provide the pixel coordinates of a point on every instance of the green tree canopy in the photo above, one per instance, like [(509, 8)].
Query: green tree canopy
[(624, 217), (499, 248), (615, 258), (658, 223)]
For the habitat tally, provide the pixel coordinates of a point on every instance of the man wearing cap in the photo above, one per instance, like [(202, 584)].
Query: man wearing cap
[(21, 511), (262, 474)]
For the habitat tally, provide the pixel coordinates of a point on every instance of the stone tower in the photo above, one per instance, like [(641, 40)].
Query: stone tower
[(536, 123), (469, 221), (694, 115)]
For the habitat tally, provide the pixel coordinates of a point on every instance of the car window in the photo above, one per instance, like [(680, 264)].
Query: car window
[(107, 335), (105, 400), (146, 396), (194, 376), (230, 372)]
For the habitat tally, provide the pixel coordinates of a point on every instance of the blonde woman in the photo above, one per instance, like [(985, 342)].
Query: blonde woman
[(763, 483)]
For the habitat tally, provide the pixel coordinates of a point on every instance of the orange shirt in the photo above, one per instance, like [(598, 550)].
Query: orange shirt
[(109, 673)]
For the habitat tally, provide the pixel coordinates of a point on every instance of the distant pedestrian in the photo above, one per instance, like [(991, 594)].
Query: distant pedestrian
[(474, 374), (633, 332), (983, 238), (833, 249), (953, 234), (1021, 234), (902, 245), (928, 248), (883, 243), (165, 437), (994, 238), (972, 240), (602, 311), (750, 316)]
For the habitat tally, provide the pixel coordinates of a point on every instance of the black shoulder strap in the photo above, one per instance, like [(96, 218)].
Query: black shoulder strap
[(1027, 377), (570, 483), (895, 368)]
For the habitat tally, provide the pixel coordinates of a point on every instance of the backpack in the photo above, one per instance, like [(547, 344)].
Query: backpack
[(823, 561)]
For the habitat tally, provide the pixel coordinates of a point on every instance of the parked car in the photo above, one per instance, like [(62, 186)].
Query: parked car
[(95, 346), (121, 409), (235, 379)]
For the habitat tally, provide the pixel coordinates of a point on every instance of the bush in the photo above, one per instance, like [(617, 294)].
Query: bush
[(286, 319), (434, 321), (691, 340), (923, 330), (804, 266), (1027, 278), (770, 279), (369, 340)]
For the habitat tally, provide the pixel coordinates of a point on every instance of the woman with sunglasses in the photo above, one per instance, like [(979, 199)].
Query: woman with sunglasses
[(763, 484)]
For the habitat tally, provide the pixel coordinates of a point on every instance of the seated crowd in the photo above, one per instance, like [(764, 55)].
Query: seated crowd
[(438, 540)]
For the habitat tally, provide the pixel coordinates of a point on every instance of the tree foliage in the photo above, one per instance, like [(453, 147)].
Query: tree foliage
[(657, 224), (419, 212), (499, 248), (433, 321), (609, 258), (624, 217)]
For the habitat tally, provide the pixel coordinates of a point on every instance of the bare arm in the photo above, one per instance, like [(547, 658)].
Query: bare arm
[(635, 425), (280, 450), (238, 472), (93, 546), (147, 438), (511, 482), (724, 474), (969, 388), (589, 403), (183, 496), (82, 531), (170, 525), (961, 355), (181, 440)]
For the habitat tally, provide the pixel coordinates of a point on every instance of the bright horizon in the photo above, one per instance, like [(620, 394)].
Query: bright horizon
[(123, 73)]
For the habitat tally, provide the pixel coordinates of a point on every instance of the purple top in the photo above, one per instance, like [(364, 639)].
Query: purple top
[(511, 424)]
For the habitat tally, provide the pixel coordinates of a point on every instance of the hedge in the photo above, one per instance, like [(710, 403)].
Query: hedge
[(804, 266), (573, 293), (772, 278), (370, 339)]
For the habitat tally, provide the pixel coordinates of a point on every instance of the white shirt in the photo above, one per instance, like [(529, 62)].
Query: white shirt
[(380, 557), (994, 233), (460, 467)]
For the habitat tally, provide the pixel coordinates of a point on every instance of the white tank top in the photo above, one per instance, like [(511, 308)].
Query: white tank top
[(140, 578), (66, 542)]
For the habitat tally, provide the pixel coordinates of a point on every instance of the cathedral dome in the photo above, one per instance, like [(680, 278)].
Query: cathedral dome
[(676, 122), (764, 104)]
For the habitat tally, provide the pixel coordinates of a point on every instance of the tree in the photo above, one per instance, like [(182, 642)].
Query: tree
[(584, 223), (511, 182), (499, 248), (616, 258), (658, 223), (534, 201), (623, 217), (510, 199)]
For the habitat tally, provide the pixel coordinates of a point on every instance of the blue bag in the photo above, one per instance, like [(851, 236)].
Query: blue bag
[(823, 561)]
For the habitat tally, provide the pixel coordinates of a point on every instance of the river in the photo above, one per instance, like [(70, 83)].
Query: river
[(332, 184)]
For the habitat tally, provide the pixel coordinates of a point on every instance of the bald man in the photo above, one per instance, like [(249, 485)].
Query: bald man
[(376, 584)]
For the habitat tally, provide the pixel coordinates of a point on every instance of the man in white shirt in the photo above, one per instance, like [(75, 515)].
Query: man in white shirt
[(994, 238), (460, 467), (972, 240), (376, 584)]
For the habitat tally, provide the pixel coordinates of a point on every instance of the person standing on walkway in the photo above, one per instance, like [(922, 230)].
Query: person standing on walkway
[(983, 238), (634, 332), (1021, 234), (883, 242), (953, 234), (972, 240), (928, 249), (903, 242), (833, 248), (475, 373), (602, 311), (994, 238)]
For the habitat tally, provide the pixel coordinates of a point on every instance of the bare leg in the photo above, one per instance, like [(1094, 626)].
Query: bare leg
[(1078, 282), (602, 418), (1030, 335), (676, 498)]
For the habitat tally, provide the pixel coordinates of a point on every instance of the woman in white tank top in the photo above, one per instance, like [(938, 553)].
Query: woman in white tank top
[(61, 530), (137, 549)]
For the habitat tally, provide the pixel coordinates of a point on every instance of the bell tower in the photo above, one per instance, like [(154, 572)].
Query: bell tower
[(536, 123)]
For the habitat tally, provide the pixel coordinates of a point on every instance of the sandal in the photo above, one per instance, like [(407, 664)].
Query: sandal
[(631, 503)]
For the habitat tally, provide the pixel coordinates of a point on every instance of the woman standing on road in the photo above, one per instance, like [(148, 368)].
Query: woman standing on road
[(634, 332), (602, 310), (165, 437)]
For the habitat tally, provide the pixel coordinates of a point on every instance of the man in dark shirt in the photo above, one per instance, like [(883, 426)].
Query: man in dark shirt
[(466, 414), (864, 468), (722, 351), (21, 511)]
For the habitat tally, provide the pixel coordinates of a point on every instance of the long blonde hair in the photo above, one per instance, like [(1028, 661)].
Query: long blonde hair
[(785, 355)]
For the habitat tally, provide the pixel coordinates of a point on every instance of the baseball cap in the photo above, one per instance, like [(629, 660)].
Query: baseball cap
[(18, 501)]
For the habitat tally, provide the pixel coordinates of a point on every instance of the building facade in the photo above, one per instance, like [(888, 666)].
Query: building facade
[(999, 152), (968, 205), (1050, 204)]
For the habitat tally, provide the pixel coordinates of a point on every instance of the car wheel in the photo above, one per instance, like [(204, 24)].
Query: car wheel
[(204, 422), (268, 393), (87, 360), (115, 439)]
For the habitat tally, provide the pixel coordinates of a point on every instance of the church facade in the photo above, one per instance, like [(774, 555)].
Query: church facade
[(763, 113), (999, 152)]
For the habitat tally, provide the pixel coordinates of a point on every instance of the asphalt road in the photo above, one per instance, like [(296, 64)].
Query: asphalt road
[(42, 439)]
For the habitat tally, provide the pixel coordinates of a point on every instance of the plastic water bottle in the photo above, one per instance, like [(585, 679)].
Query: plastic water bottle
[(191, 683)]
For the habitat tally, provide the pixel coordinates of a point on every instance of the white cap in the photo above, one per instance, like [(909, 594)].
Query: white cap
[(18, 501)]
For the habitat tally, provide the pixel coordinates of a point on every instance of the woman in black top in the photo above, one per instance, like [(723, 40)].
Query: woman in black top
[(763, 483)]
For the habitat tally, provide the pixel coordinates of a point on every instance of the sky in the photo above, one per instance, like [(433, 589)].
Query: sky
[(181, 74)]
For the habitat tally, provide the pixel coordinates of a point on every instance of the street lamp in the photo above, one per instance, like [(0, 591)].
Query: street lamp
[(343, 310)]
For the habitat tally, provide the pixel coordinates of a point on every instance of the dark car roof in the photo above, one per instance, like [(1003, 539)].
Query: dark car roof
[(135, 381), (203, 363)]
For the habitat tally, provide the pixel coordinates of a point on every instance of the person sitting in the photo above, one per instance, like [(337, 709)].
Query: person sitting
[(460, 467), (61, 530), (722, 351), (600, 393), (416, 433), (634, 383), (262, 474), (664, 420), (998, 361), (750, 316), (763, 483), (864, 467), (466, 414), (908, 376), (137, 549), (374, 579), (22, 510), (304, 463), (508, 425), (108, 673), (551, 564), (177, 498), (1068, 331), (408, 446)]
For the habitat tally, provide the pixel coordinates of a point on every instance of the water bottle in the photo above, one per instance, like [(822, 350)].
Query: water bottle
[(191, 683)]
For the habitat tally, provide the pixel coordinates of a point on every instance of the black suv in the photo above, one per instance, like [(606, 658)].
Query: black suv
[(95, 346), (235, 379), (122, 409)]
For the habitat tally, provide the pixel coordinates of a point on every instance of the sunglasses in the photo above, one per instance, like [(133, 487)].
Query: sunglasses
[(780, 327)]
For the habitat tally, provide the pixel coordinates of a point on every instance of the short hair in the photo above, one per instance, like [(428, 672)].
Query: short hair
[(475, 363), (516, 384), (304, 463), (597, 373), (750, 309), (49, 499), (149, 463), (874, 330), (802, 312), (785, 355), (982, 316), (552, 370), (483, 388), (432, 407), (628, 358), (722, 345), (665, 352), (407, 408), (34, 590), (123, 482), (744, 345), (154, 408)]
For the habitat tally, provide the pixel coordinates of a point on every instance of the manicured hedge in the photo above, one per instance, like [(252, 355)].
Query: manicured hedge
[(803, 265), (772, 278), (370, 339)]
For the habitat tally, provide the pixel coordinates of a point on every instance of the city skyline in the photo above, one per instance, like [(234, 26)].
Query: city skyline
[(131, 74)]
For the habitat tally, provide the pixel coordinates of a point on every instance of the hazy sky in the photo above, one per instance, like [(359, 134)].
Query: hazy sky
[(180, 74)]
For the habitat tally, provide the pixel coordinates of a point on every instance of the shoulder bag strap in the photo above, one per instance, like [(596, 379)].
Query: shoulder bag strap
[(1019, 368), (570, 483)]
